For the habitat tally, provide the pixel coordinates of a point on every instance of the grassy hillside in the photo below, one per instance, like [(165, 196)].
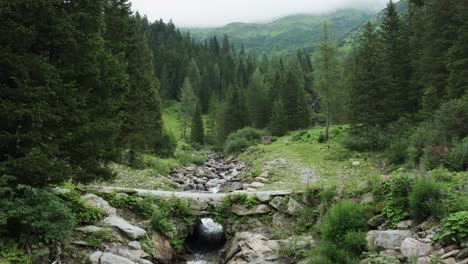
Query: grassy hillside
[(285, 34)]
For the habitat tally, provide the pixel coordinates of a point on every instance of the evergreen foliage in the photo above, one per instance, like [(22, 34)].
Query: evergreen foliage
[(197, 132)]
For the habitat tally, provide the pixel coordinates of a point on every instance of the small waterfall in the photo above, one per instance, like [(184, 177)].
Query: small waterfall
[(207, 237)]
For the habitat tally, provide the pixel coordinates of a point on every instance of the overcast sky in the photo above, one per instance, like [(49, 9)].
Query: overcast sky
[(221, 12)]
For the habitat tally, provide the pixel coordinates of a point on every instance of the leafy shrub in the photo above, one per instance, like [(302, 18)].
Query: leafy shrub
[(142, 206), (186, 158), (355, 242), (242, 139), (161, 224), (84, 214), (11, 254), (343, 217), (370, 139), (31, 214), (455, 228), (161, 166), (425, 199), (328, 252), (306, 218), (457, 157), (396, 191)]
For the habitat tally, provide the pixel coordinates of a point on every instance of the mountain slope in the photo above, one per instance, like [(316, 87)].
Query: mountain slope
[(285, 34)]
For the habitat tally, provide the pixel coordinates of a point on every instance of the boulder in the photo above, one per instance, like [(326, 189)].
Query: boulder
[(126, 252), (294, 207), (95, 257), (448, 261), (412, 248), (389, 239), (367, 198), (230, 186), (131, 231), (162, 252), (109, 258), (257, 184), (144, 261), (241, 210), (281, 222), (261, 179), (134, 245), (463, 254), (263, 197), (405, 225), (376, 221), (97, 202), (452, 253), (276, 202), (247, 247)]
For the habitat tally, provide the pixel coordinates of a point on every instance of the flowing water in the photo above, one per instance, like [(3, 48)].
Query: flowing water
[(205, 241)]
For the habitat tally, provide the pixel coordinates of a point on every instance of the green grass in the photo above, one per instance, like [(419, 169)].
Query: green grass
[(171, 118), (302, 151)]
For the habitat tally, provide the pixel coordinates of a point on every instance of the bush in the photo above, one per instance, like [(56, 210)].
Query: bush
[(186, 158), (455, 228), (161, 224), (84, 214), (242, 139), (457, 157), (396, 190), (34, 215), (11, 254), (355, 242), (370, 139), (343, 217), (328, 252), (425, 199)]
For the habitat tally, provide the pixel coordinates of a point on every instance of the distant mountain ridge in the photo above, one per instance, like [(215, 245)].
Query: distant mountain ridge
[(295, 31), (287, 33)]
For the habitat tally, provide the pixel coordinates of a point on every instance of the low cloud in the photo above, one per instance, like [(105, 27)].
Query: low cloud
[(220, 12)]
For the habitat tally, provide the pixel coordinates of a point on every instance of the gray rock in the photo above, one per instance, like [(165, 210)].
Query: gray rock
[(452, 253), (276, 202), (109, 258), (412, 248), (376, 221), (367, 198), (230, 186), (405, 225), (134, 245), (144, 261), (131, 254), (371, 238), (92, 229), (463, 254), (448, 261), (263, 197), (95, 257), (97, 202), (131, 231), (261, 179), (281, 222), (294, 207), (257, 184), (389, 239), (243, 211)]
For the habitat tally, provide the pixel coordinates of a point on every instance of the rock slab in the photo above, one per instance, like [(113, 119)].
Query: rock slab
[(131, 231)]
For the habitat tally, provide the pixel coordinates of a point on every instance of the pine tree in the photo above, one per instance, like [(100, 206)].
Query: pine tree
[(257, 101), (326, 71), (458, 65), (188, 101), (279, 119), (232, 116), (396, 67), (366, 96), (197, 133), (193, 73)]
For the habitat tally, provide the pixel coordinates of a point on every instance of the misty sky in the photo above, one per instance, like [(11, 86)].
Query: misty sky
[(221, 12)]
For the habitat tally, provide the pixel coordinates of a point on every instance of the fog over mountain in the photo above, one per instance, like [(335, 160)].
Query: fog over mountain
[(213, 13)]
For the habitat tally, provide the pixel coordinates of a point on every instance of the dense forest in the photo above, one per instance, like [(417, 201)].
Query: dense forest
[(83, 85)]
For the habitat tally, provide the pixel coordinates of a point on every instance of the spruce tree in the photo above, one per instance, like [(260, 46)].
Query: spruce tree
[(257, 102), (396, 67), (197, 133), (232, 116), (366, 86), (188, 101), (458, 64)]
